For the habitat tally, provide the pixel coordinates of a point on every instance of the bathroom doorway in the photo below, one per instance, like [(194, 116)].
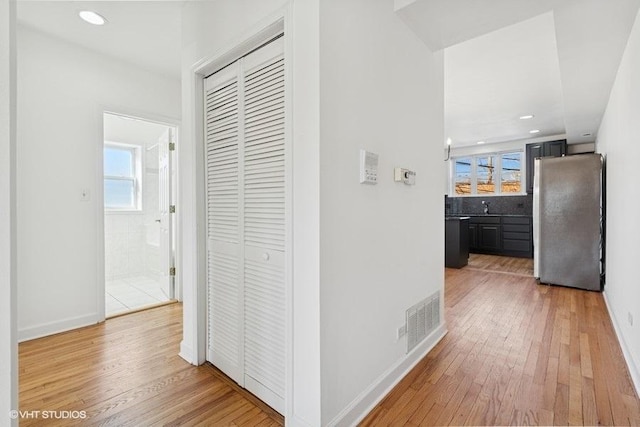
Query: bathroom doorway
[(138, 214)]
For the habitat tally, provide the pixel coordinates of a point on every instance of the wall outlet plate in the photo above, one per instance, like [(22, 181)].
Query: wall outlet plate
[(402, 331)]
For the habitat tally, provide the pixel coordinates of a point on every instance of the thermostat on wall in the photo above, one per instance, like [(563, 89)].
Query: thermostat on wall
[(404, 175), (368, 167)]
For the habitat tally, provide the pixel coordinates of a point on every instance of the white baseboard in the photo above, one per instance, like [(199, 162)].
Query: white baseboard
[(369, 398), (46, 329), (186, 352), (633, 369), (294, 421)]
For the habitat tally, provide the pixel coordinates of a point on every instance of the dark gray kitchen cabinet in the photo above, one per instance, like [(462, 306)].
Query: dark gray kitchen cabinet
[(473, 236), (484, 234), (501, 235), (489, 238), (517, 236), (555, 148), (456, 242), (542, 149)]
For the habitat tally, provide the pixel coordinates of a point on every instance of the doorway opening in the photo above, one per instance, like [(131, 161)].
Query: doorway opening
[(138, 214)]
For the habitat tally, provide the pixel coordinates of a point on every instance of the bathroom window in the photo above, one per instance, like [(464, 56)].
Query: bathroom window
[(122, 187), (490, 174)]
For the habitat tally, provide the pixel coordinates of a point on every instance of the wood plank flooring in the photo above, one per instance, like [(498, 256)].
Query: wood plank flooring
[(501, 264), (127, 372), (516, 353)]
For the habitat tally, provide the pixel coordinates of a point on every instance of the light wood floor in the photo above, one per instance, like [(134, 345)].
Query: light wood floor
[(126, 372), (501, 264), (516, 353)]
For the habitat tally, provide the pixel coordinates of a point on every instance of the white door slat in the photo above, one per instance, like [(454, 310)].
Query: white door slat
[(256, 78), (263, 104)]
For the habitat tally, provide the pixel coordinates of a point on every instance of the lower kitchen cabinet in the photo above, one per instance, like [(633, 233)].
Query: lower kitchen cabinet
[(501, 235), (473, 236), (489, 238), (456, 242)]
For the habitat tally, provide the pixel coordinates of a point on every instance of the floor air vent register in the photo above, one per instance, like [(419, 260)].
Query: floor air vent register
[(422, 319)]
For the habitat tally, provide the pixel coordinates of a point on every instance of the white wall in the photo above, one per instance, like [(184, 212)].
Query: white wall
[(381, 249), (618, 141), (8, 335), (62, 92)]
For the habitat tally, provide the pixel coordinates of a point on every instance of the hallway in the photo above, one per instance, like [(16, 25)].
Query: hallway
[(127, 372), (516, 353)]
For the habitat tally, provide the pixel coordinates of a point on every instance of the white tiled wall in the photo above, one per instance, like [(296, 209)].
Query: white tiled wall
[(124, 245), (150, 199), (132, 239)]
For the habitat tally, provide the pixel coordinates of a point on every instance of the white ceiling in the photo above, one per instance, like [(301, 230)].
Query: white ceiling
[(492, 80), (127, 130), (144, 33), (556, 59)]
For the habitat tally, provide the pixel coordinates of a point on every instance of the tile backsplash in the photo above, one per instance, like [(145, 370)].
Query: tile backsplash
[(504, 205)]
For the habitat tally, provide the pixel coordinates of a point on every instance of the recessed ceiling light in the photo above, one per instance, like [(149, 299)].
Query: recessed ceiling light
[(534, 131), (92, 17), (527, 117), (480, 142)]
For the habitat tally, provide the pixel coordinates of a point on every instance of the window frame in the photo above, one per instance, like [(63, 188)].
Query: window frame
[(497, 178), (135, 178)]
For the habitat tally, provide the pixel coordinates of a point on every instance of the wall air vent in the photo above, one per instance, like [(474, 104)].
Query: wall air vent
[(422, 319)]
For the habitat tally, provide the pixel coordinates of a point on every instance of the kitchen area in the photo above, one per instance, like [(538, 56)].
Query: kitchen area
[(549, 212), (543, 245), (523, 177)]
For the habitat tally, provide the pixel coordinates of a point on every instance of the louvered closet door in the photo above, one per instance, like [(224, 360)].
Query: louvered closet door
[(264, 224), (225, 326), (246, 221)]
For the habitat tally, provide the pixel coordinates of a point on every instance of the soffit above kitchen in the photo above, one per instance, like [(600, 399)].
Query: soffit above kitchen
[(146, 34), (554, 59)]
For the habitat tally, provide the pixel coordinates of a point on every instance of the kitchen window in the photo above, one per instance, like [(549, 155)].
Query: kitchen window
[(487, 174), (122, 187)]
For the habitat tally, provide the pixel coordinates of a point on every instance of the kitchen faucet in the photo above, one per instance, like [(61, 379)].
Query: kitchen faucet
[(486, 207)]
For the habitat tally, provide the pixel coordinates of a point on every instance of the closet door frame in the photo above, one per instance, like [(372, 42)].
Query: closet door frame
[(197, 317)]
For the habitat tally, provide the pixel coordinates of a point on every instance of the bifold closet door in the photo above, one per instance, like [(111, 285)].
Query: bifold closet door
[(224, 279), (246, 221)]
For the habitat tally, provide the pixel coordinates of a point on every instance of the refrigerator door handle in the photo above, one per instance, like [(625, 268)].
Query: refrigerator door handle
[(536, 218)]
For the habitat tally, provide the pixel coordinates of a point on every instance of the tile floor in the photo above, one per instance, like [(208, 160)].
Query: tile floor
[(132, 293)]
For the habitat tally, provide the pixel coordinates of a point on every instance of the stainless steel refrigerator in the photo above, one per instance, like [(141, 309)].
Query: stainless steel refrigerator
[(568, 221)]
